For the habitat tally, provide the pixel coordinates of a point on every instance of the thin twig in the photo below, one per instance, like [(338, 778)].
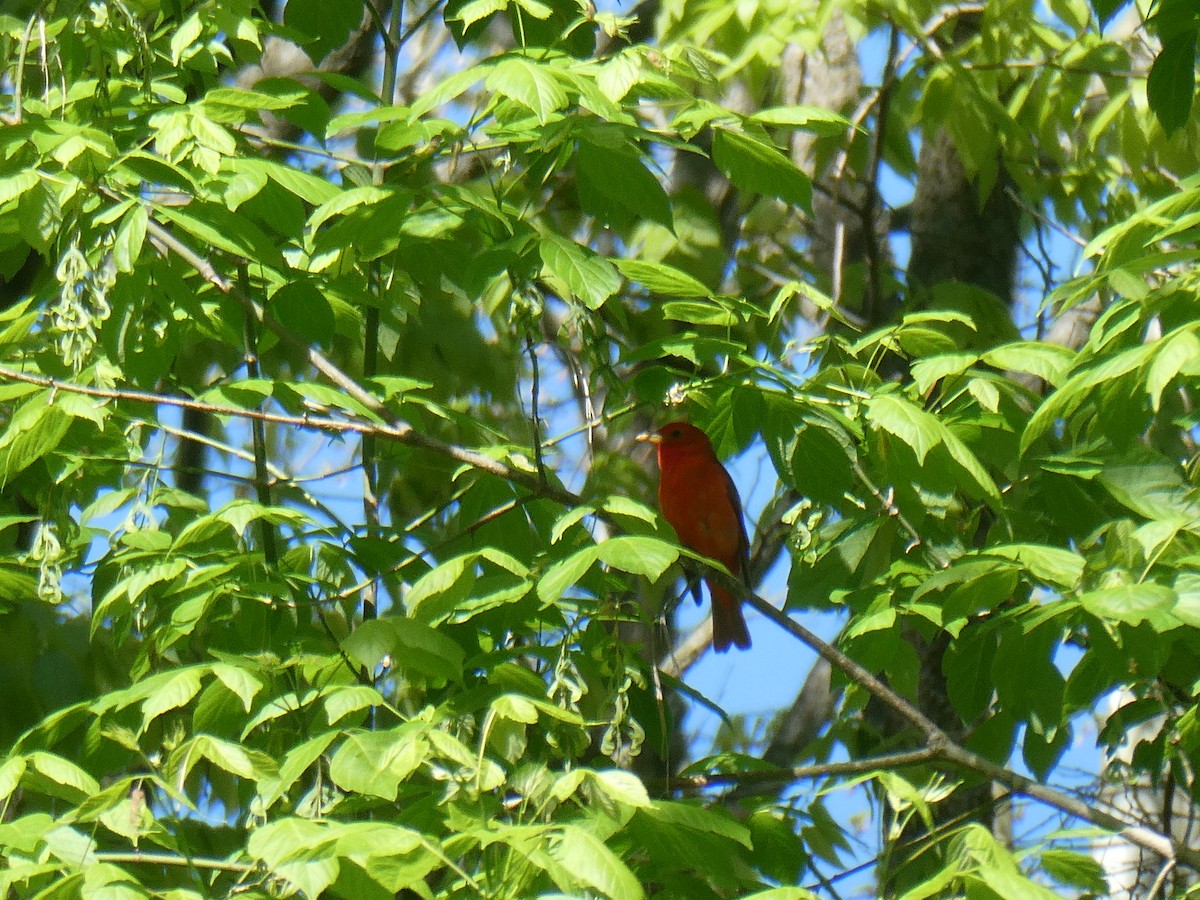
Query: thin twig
[(258, 432), (871, 201), (804, 773), (19, 80), (209, 273), (391, 43), (1161, 880), (535, 412), (923, 41), (421, 20), (172, 859), (399, 432)]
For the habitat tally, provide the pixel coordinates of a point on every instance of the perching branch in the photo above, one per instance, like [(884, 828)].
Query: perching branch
[(943, 747)]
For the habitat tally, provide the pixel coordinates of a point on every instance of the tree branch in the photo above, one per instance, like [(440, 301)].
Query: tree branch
[(399, 432), (209, 273), (800, 773), (172, 859), (943, 746)]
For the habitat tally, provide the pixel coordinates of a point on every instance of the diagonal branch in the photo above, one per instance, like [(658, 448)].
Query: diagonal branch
[(946, 749), (800, 773), (316, 358), (400, 432)]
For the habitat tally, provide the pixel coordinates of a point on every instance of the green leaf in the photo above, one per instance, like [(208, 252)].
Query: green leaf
[(449, 88), (1177, 352), (376, 762), (1075, 391), (1152, 487), (233, 758), (1171, 84), (176, 691), (217, 226), (131, 234), (760, 168), (699, 313), (698, 818), (1046, 361), (967, 665), (449, 583), (589, 860), (638, 555), (1105, 10), (411, 646), (627, 507), (623, 787), (323, 26), (807, 118), (357, 119), (927, 372), (615, 186), (393, 856), (240, 98), (301, 307), (11, 770), (660, 278), (529, 83), (349, 698), (1042, 749), (51, 774), (308, 187), (585, 275), (922, 432), (299, 759), (1133, 604), (1053, 566), (345, 201), (239, 682), (476, 10), (35, 429), (299, 851), (618, 74), (183, 38), (515, 708), (986, 394), (911, 424), (563, 575), (13, 186), (1076, 869)]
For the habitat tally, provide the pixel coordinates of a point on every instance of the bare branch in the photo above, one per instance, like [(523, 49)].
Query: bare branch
[(802, 773), (400, 432)]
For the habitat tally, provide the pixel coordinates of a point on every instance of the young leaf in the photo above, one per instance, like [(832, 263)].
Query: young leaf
[(583, 274), (530, 83), (760, 168)]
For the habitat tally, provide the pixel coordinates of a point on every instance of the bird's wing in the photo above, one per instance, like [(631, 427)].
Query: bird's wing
[(735, 501)]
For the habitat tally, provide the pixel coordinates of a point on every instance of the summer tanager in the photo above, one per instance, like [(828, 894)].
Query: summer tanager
[(700, 501)]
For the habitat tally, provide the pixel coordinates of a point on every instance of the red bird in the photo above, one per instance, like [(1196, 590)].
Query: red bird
[(700, 501)]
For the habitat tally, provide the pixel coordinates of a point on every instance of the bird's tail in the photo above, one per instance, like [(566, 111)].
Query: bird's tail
[(729, 625)]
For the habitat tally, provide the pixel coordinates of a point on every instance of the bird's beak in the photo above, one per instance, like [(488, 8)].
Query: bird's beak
[(649, 437)]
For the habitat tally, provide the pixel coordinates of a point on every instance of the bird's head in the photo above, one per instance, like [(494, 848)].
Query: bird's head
[(678, 439)]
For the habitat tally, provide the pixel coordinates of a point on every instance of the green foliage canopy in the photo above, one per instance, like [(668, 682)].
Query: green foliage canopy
[(248, 695)]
